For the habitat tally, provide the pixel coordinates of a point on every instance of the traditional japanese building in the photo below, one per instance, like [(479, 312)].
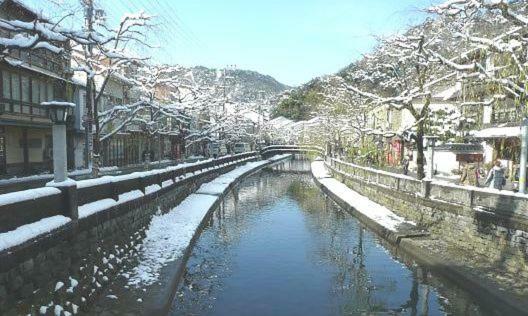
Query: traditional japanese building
[(28, 78)]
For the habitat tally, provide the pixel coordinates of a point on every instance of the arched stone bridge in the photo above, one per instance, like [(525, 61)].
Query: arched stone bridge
[(270, 151)]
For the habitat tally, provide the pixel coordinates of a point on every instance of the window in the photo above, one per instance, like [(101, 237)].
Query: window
[(15, 81), (15, 91), (6, 84), (25, 88), (42, 88), (50, 91), (35, 89)]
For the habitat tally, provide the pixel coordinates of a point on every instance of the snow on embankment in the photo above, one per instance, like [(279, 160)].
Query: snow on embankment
[(378, 214), (169, 235)]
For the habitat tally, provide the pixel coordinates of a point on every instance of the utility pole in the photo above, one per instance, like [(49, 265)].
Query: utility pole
[(88, 135)]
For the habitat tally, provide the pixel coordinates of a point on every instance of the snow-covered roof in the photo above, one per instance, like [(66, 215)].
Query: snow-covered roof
[(450, 93), (498, 132), (18, 63), (280, 122), (252, 116)]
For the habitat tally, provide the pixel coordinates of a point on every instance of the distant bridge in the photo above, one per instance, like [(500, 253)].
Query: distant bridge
[(291, 149)]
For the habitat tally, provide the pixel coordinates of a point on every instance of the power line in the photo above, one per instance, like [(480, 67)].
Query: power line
[(164, 34)]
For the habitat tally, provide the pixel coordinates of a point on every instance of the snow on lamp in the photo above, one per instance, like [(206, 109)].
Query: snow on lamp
[(59, 111)]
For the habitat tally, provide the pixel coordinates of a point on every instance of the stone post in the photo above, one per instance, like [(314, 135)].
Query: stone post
[(60, 172), (431, 141), (470, 198), (69, 197), (426, 188)]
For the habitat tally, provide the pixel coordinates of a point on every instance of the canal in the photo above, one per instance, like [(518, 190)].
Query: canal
[(277, 246)]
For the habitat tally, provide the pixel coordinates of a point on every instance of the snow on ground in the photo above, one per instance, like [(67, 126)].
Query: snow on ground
[(319, 170), (30, 231), (360, 203), (169, 234), (220, 184)]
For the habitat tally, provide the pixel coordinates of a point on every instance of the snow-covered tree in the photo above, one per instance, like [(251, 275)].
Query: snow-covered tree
[(405, 70), (104, 54), (496, 55)]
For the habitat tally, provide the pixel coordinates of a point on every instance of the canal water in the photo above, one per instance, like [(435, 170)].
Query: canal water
[(277, 246)]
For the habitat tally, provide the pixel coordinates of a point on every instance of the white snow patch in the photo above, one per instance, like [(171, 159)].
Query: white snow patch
[(29, 231), (152, 188), (498, 132), (319, 170), (129, 196), (219, 185), (168, 236), (95, 207), (362, 204), (58, 310), (167, 183), (27, 195), (58, 286)]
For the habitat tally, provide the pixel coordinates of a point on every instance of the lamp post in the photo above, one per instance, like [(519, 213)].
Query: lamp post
[(59, 113), (431, 142)]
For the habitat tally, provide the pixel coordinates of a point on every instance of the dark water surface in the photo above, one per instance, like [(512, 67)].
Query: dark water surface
[(277, 247)]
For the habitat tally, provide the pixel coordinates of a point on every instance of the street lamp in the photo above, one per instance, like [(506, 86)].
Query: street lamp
[(431, 142), (58, 114)]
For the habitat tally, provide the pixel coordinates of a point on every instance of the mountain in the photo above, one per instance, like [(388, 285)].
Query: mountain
[(300, 103), (239, 85)]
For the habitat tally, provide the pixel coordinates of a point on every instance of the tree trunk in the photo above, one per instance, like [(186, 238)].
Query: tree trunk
[(420, 150), (97, 135)]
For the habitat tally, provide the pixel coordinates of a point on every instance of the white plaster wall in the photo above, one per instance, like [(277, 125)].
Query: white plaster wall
[(445, 162), (488, 152)]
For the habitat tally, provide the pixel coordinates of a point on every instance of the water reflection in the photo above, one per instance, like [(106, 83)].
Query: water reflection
[(277, 246)]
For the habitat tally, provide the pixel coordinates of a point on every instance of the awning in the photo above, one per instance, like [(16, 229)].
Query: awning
[(498, 132)]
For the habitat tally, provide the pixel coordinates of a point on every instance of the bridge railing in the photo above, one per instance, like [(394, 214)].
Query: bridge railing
[(277, 149), (29, 206)]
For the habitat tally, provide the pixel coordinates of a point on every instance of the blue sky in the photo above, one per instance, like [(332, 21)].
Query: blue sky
[(291, 40)]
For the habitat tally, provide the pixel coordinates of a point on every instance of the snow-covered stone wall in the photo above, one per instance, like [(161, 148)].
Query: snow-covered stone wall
[(490, 224), (63, 270)]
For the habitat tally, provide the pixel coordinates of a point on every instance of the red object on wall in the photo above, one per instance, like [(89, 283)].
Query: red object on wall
[(395, 152)]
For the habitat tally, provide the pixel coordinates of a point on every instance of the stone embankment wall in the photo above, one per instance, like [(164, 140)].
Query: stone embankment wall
[(488, 225), (62, 272)]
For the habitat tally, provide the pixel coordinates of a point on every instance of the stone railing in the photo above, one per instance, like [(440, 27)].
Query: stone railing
[(503, 203), (24, 207), (37, 181), (379, 177)]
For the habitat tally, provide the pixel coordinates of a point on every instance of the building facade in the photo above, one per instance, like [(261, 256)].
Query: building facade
[(28, 78)]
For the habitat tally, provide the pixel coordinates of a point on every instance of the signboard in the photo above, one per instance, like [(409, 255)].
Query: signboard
[(470, 158)]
